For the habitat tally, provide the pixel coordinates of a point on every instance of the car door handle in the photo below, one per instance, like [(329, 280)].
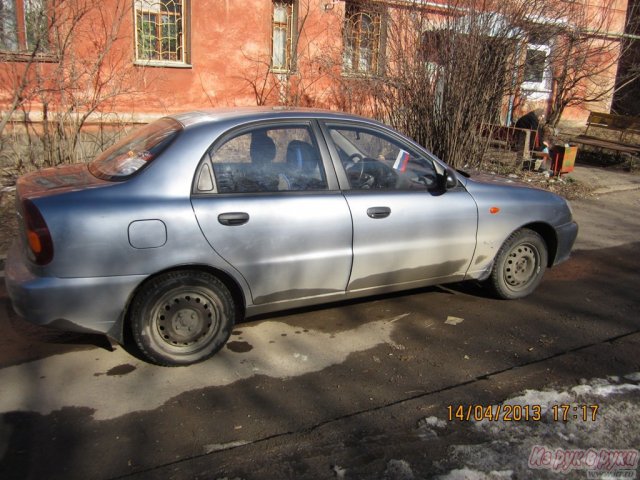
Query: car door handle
[(378, 212), (233, 218)]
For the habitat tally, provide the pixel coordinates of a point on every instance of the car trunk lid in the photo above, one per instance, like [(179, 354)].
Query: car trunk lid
[(35, 232), (56, 180)]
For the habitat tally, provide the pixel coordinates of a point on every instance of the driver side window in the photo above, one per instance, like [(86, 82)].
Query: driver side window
[(372, 160)]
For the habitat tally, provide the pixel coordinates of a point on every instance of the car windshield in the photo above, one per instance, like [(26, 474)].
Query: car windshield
[(135, 151)]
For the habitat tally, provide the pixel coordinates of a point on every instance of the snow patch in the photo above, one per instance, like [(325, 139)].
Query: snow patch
[(604, 390), (339, 471), (634, 377), (537, 397), (453, 320), (217, 447), (427, 427), (433, 422), (398, 470), (509, 444), (468, 474)]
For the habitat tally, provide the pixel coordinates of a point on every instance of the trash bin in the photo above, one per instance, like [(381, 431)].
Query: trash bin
[(563, 159)]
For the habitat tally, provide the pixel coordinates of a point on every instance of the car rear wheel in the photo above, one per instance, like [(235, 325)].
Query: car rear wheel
[(181, 318), (519, 265)]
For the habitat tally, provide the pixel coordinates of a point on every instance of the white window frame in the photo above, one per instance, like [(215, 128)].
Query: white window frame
[(539, 90)]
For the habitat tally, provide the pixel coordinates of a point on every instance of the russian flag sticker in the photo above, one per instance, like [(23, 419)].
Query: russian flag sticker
[(401, 161)]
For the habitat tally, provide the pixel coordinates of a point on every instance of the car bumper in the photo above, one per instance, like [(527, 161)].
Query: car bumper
[(566, 235), (93, 305)]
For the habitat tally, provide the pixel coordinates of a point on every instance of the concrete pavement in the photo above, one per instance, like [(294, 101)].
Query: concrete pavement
[(605, 180), (356, 390)]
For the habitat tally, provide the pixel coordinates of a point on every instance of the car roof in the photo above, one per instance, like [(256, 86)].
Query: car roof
[(247, 114)]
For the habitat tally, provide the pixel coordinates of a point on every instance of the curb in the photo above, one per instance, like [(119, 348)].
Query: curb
[(615, 189)]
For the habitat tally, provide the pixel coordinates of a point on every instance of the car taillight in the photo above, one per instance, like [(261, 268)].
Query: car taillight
[(38, 236)]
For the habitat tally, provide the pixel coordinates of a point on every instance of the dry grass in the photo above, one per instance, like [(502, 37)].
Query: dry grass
[(7, 219), (565, 186), (506, 163)]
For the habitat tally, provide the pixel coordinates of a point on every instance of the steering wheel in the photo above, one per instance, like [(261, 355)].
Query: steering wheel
[(358, 178), (429, 180), (355, 158)]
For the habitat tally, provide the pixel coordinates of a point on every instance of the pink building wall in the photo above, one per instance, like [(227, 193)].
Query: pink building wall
[(230, 50)]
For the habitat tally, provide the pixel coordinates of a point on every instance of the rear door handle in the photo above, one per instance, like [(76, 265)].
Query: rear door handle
[(378, 212), (233, 218)]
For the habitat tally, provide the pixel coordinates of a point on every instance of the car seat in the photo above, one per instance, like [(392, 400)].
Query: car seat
[(262, 149), (301, 158)]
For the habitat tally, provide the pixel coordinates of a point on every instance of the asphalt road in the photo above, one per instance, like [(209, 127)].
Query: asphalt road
[(355, 390)]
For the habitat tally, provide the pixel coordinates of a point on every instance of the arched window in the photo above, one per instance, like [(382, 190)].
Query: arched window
[(362, 40), (161, 27), (284, 35)]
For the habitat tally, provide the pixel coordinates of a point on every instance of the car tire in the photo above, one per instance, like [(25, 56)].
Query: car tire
[(183, 317), (519, 265)]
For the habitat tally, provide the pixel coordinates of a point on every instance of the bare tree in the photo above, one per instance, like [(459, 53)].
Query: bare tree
[(452, 69), (585, 53), (308, 75), (626, 98), (69, 73)]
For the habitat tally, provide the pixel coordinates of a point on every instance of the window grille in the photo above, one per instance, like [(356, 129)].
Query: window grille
[(284, 36), (160, 31)]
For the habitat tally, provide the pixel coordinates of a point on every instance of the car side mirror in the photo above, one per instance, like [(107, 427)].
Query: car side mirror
[(449, 179)]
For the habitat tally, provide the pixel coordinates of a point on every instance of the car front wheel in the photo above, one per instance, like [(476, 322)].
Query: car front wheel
[(519, 265), (180, 318)]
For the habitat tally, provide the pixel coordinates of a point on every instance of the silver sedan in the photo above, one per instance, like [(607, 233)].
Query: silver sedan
[(198, 220)]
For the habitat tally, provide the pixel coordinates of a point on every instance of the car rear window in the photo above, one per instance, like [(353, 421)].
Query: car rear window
[(135, 151)]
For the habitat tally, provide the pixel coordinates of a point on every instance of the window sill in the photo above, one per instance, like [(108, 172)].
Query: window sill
[(282, 71), (161, 64), (24, 57), (361, 75), (540, 93)]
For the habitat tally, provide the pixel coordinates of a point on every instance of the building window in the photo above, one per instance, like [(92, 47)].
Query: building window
[(285, 30), (537, 69), (161, 27), (534, 64), (23, 26), (362, 40)]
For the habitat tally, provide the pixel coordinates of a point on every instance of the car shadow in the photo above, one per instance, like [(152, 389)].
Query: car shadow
[(25, 342), (472, 288)]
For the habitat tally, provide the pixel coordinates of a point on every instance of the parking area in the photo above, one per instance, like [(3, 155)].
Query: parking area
[(365, 389)]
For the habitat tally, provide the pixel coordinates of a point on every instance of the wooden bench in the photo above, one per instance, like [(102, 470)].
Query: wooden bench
[(622, 123), (625, 125)]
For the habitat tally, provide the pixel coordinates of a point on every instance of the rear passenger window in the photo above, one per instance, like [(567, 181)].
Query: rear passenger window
[(269, 159)]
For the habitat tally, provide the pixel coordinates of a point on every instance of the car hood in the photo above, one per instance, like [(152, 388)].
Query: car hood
[(489, 179), (57, 180)]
